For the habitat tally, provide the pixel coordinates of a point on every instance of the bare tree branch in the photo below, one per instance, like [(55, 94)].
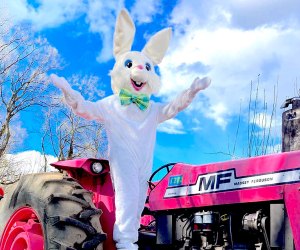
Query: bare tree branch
[(69, 135), (24, 63)]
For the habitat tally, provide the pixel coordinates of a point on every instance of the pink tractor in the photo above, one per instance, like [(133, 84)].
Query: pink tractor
[(241, 204)]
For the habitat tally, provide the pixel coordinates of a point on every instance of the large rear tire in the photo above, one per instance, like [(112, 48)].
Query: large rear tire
[(65, 210)]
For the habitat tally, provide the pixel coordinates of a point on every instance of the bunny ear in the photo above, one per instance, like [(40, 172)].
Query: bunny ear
[(157, 46), (124, 33)]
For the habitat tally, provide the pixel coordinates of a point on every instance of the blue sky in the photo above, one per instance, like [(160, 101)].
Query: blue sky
[(235, 42)]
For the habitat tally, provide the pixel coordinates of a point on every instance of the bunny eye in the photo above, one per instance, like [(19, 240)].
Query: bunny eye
[(148, 66), (128, 63)]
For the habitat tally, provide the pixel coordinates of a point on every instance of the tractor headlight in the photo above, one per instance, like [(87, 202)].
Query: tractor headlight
[(97, 167)]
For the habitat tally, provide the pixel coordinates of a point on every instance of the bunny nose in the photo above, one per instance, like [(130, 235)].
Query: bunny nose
[(140, 66)]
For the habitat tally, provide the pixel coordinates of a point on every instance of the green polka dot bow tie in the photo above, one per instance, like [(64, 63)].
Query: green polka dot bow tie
[(141, 100)]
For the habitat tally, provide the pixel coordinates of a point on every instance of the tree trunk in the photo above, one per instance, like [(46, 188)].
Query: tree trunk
[(4, 137)]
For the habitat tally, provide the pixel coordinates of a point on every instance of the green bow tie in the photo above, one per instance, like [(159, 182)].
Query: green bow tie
[(141, 100)]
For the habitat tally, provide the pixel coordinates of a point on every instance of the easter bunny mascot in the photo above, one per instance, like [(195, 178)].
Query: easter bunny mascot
[(130, 120)]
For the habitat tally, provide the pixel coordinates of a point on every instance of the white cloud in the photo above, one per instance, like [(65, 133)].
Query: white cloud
[(47, 14), (266, 129), (216, 112), (230, 41), (231, 56), (172, 126), (143, 11), (101, 16), (196, 124), (237, 13), (265, 120), (274, 149), (250, 14), (18, 134)]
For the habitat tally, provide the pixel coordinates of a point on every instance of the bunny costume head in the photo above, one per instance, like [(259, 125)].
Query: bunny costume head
[(133, 70)]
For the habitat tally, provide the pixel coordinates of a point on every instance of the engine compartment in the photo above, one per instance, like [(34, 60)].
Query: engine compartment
[(262, 225)]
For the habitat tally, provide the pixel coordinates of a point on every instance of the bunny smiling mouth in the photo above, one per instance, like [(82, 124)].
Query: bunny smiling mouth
[(137, 85)]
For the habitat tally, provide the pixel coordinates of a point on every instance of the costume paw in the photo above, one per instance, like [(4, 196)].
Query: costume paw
[(200, 84), (60, 82)]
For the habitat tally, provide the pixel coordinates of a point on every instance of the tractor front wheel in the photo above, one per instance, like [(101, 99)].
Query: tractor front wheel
[(49, 211), (23, 231)]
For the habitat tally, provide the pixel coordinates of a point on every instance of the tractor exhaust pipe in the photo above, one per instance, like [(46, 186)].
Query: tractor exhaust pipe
[(291, 125)]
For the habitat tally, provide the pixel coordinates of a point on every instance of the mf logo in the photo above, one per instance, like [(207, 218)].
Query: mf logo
[(214, 181)]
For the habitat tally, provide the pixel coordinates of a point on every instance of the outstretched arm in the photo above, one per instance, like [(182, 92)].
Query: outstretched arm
[(183, 100), (86, 109)]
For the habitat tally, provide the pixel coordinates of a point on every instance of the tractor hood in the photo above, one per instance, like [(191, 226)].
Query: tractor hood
[(248, 180)]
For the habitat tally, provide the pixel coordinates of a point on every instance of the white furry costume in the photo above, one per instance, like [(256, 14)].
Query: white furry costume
[(131, 132)]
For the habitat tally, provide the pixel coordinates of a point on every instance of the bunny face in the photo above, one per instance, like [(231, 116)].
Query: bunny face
[(134, 70)]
